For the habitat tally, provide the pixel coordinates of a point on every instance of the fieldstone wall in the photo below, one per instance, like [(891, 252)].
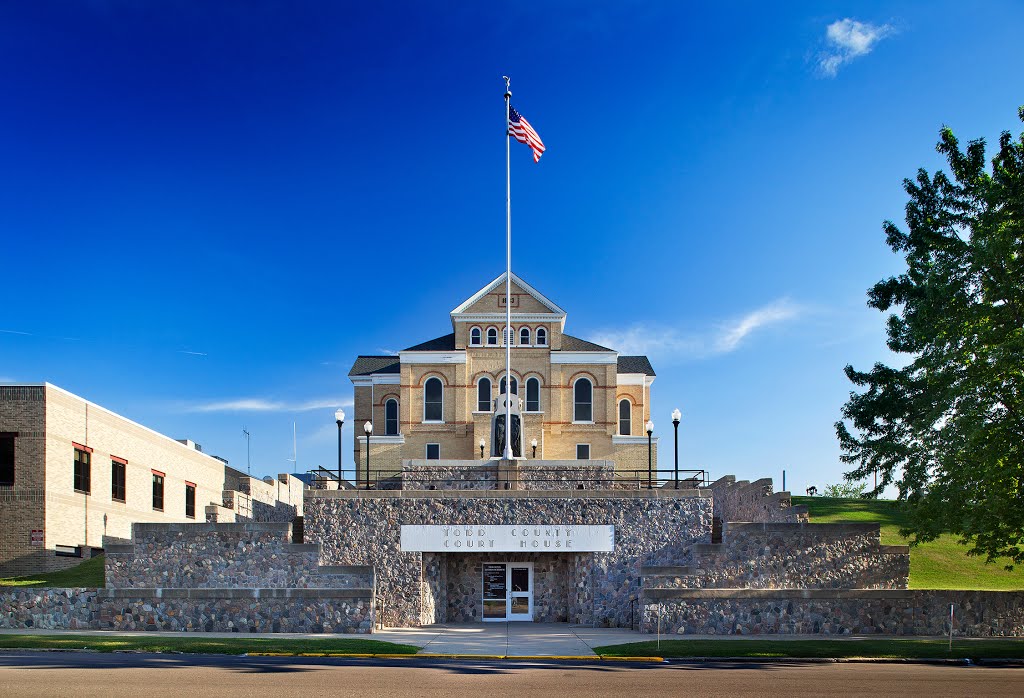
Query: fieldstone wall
[(504, 475), (753, 501), (791, 556), (832, 612), (652, 527), (209, 610), (197, 556), (454, 475)]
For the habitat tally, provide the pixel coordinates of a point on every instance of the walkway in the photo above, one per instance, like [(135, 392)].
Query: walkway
[(505, 639)]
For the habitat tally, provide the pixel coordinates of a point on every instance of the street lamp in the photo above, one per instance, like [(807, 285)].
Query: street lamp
[(339, 417), (650, 462), (368, 428), (534, 444), (482, 444), (676, 416)]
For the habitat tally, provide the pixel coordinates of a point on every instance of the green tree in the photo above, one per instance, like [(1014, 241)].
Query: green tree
[(947, 428)]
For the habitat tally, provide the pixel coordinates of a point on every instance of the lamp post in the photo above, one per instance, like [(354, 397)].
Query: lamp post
[(368, 428), (534, 444), (482, 444), (339, 417), (676, 416), (650, 451)]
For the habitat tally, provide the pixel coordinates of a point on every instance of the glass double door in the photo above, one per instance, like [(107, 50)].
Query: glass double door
[(507, 591)]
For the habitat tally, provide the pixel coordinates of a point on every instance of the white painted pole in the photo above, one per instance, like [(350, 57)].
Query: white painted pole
[(659, 626), (508, 280), (950, 627)]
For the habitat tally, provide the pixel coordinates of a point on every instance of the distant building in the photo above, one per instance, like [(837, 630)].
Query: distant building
[(436, 399), (72, 473)]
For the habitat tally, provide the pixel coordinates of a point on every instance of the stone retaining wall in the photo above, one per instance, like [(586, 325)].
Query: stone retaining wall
[(832, 612), (239, 555), (651, 527), (209, 610), (753, 501), (792, 556)]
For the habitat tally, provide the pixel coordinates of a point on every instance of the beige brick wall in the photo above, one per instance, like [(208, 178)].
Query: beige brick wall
[(23, 506)]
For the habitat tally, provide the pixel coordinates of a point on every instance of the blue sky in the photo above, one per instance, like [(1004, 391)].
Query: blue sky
[(208, 210)]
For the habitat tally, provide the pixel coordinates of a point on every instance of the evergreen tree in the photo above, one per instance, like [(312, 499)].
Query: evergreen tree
[(947, 429)]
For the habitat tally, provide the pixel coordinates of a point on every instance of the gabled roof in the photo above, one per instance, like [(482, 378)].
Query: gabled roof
[(635, 364), (367, 365), (445, 343), (570, 343), (540, 298)]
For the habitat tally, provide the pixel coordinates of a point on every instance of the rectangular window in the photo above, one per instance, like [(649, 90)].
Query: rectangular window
[(433, 451), (117, 479), (68, 551), (190, 500), (7, 460), (582, 451), (158, 491), (83, 471)]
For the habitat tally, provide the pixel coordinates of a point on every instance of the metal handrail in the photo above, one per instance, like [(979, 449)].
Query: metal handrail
[(570, 477)]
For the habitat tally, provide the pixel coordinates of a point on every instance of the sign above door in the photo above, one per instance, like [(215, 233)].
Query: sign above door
[(554, 538)]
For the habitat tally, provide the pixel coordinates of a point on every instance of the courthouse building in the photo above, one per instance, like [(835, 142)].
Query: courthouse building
[(435, 401)]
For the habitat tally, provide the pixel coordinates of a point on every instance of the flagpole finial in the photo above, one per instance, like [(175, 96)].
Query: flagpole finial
[(508, 90)]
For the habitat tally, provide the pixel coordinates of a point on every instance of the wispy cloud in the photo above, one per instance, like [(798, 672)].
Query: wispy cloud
[(722, 339), (24, 334), (847, 39), (265, 405), (387, 352), (192, 353)]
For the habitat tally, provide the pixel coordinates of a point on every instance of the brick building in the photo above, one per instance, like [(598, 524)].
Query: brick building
[(72, 472), (436, 399)]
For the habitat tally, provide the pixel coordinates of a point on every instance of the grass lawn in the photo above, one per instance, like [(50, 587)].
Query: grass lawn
[(228, 645), (1012, 648), (88, 574), (940, 564)]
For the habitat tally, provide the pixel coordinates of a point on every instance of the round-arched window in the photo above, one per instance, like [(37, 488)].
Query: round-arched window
[(583, 400), (433, 400)]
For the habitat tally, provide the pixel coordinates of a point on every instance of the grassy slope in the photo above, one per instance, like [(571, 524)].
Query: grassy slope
[(940, 564), (1012, 648), (88, 574), (239, 644)]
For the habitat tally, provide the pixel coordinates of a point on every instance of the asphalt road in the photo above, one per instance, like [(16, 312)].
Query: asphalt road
[(152, 675)]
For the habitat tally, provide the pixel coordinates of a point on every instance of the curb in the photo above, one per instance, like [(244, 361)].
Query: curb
[(425, 655)]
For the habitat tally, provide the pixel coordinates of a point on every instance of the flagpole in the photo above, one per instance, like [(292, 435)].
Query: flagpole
[(508, 280)]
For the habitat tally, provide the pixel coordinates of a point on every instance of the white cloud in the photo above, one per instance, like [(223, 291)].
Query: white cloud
[(387, 352), (848, 39), (726, 337), (193, 353), (264, 405)]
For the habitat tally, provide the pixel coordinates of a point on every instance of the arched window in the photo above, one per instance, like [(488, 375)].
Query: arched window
[(492, 336), (625, 418), (483, 395), (542, 337), (474, 337), (524, 335), (515, 386), (433, 400), (391, 417), (583, 400), (532, 395)]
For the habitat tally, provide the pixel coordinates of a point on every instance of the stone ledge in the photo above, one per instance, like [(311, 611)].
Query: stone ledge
[(120, 549), (777, 594), (171, 593), (251, 526), (656, 493), (302, 547), (665, 571), (345, 569), (803, 526)]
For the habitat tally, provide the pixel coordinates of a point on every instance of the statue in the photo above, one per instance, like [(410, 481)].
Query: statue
[(498, 427)]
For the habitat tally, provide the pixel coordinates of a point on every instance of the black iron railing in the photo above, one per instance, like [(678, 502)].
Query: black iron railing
[(492, 476)]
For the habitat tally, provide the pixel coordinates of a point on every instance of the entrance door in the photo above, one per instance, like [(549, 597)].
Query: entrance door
[(508, 591)]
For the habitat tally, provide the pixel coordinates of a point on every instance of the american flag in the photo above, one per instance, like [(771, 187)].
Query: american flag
[(520, 129)]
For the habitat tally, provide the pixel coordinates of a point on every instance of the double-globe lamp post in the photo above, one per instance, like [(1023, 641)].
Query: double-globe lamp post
[(650, 461), (676, 416), (339, 417), (368, 429)]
